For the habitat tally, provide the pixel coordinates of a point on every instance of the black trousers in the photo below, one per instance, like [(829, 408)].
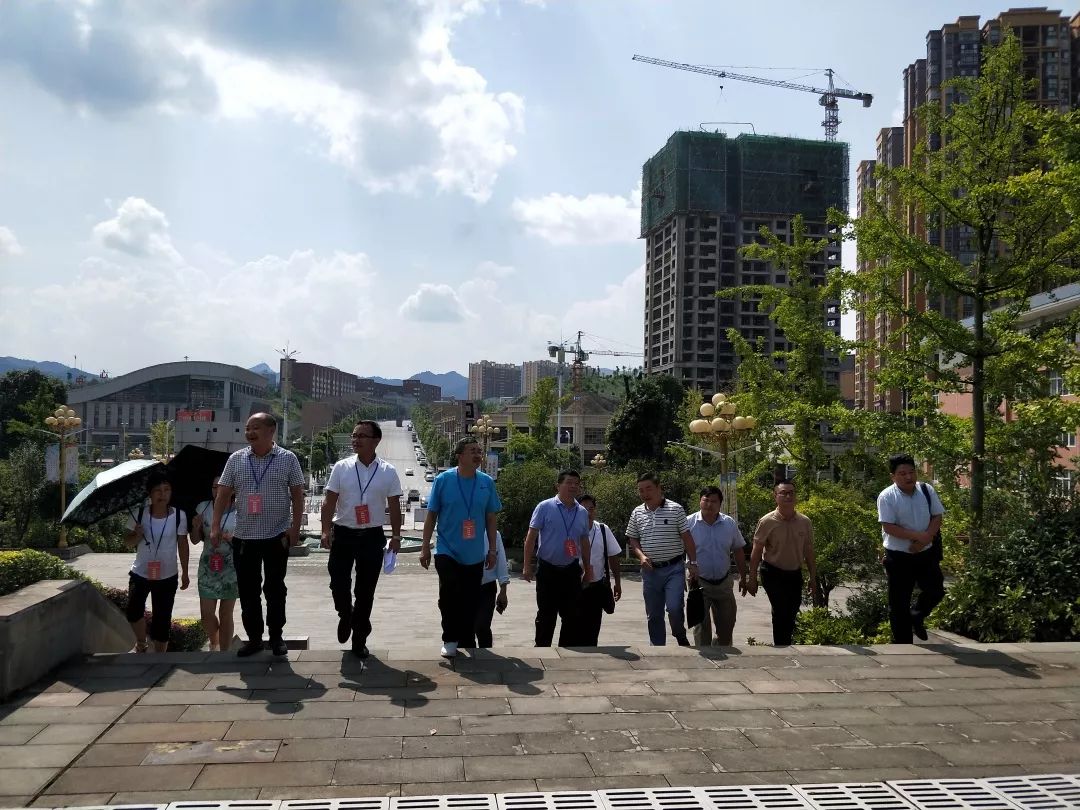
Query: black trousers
[(590, 614), (558, 590), (485, 612), (784, 589), (253, 558), (364, 549), (905, 571), (162, 593), (459, 595)]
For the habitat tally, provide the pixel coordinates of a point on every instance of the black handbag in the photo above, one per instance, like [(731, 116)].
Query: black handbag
[(608, 596), (937, 550), (695, 606)]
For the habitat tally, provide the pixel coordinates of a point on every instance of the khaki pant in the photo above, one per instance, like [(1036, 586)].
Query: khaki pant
[(720, 609)]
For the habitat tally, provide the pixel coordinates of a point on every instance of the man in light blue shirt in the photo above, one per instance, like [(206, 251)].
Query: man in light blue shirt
[(910, 517), (717, 539), (559, 534)]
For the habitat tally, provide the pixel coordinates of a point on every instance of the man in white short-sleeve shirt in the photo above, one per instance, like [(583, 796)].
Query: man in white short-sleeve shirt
[(363, 491), (910, 517)]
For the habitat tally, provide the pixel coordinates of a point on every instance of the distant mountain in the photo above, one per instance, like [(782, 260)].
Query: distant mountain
[(452, 383), (266, 371), (387, 380), (46, 367)]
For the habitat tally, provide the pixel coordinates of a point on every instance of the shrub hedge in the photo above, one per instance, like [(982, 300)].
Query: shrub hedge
[(19, 569)]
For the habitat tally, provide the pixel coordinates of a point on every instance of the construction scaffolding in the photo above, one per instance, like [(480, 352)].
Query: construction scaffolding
[(751, 174)]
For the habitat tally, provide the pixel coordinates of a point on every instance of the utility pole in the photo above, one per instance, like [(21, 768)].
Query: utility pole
[(287, 356)]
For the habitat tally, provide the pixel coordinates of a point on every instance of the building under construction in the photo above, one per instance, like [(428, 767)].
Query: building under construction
[(704, 195)]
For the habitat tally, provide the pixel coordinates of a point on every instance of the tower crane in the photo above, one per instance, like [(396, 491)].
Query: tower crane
[(827, 97)]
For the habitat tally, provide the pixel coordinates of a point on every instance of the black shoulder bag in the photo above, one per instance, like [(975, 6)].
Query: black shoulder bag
[(938, 551)]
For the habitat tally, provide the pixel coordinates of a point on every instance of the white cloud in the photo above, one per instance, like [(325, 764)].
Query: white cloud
[(9, 245), (434, 303), (494, 269), (616, 313), (138, 229), (595, 219), (375, 83)]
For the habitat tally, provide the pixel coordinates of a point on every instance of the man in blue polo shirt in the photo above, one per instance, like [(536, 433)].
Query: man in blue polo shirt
[(464, 505), (559, 535)]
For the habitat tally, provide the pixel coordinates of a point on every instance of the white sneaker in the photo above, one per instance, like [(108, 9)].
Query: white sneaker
[(449, 649)]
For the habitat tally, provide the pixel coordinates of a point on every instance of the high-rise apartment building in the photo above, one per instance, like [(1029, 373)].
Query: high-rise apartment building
[(1051, 47), (488, 380), (704, 196), (532, 371)]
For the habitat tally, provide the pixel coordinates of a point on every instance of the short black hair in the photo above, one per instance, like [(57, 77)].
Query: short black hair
[(156, 478), (707, 491), (899, 460), (371, 423), (568, 474), (462, 443), (789, 482), (649, 476), (586, 497)]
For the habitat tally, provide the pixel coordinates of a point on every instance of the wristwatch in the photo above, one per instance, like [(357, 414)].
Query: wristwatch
[(693, 563)]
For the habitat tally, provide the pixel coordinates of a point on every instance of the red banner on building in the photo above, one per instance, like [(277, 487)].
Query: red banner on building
[(195, 416)]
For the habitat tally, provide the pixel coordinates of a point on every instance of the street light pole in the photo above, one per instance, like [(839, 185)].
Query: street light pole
[(720, 424), (61, 422)]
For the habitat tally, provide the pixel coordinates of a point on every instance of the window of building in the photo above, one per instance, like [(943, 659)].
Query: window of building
[(1057, 384), (1065, 483)]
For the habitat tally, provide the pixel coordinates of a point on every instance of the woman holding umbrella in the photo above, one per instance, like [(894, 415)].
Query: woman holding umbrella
[(158, 535), (218, 590)]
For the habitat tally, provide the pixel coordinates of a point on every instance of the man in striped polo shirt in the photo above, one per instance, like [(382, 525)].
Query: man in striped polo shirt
[(658, 536)]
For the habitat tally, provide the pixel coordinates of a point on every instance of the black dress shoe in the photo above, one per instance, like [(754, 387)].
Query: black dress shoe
[(918, 627), (250, 648), (344, 629), (278, 648), (360, 651)]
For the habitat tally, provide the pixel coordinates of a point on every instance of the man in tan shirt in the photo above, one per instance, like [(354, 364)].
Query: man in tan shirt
[(783, 541)]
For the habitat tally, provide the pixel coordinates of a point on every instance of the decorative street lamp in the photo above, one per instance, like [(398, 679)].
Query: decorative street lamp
[(62, 422), (485, 430), (598, 461), (720, 425), (136, 454)]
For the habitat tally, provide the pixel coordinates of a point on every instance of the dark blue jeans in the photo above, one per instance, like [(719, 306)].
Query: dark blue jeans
[(663, 591)]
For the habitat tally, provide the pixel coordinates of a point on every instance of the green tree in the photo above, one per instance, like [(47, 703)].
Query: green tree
[(26, 398), (646, 421), (798, 395), (543, 406), (23, 489), (521, 487), (1004, 181), (161, 439)]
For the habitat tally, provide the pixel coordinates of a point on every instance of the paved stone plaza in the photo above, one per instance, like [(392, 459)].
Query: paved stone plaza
[(158, 728)]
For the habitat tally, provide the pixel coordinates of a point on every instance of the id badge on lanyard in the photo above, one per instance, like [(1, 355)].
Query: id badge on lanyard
[(363, 515), (153, 570), (468, 529), (217, 562), (570, 547), (254, 504)]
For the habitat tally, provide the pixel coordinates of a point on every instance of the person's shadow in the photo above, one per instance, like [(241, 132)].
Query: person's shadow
[(375, 677), (487, 667)]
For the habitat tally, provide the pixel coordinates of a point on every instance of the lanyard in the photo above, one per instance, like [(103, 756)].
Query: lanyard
[(562, 514), (157, 540), (472, 493), (210, 508), (266, 469), (364, 487)]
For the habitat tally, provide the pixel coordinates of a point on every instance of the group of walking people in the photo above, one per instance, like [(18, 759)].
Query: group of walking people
[(255, 515)]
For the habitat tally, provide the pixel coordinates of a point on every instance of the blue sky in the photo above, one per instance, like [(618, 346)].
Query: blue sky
[(387, 185)]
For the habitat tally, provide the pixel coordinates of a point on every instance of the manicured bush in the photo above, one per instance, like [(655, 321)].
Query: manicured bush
[(1022, 587), (26, 566), (819, 626)]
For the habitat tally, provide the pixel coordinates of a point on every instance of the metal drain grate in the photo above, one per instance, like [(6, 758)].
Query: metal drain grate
[(951, 794), (856, 796), (1042, 792), (754, 797), (366, 803), (653, 799), (235, 804), (559, 800), (480, 801)]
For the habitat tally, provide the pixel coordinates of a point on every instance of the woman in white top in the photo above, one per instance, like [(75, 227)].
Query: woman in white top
[(218, 589), (158, 535), (594, 592)]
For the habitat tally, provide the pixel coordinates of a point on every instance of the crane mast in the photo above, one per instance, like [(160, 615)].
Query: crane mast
[(827, 97)]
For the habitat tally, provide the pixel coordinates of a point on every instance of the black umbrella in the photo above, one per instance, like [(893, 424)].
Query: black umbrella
[(192, 472), (111, 491)]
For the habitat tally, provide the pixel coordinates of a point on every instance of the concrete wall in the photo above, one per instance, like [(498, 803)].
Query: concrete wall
[(50, 622)]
